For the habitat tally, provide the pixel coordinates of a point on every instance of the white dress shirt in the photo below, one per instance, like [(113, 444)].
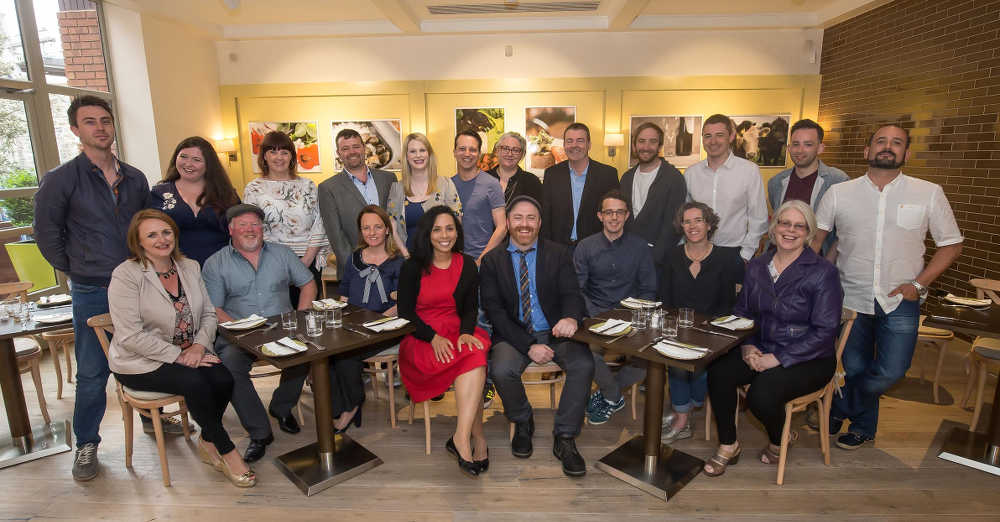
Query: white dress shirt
[(881, 235), (736, 193)]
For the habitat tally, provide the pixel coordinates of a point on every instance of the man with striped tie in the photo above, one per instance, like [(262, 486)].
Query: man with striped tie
[(531, 294)]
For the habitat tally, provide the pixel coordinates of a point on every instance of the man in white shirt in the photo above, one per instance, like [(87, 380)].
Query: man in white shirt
[(882, 219), (731, 186)]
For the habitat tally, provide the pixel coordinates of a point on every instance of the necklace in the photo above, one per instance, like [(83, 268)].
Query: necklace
[(695, 267), (168, 273)]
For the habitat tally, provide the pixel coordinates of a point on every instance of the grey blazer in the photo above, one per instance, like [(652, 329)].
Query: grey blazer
[(340, 202), (144, 316)]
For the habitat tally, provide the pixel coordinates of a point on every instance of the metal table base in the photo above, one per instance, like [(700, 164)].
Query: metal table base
[(661, 477), (45, 440), (313, 471)]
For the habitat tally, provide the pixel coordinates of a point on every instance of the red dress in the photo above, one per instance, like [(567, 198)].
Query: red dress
[(423, 375)]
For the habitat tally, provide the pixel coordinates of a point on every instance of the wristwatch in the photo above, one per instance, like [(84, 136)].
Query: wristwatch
[(921, 290)]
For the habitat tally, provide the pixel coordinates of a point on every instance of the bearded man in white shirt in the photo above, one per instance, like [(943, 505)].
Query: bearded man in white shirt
[(731, 186), (882, 220)]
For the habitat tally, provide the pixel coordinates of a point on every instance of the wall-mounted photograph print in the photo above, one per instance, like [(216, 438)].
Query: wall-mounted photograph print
[(544, 127), (303, 135), (488, 123), (681, 139), (762, 139), (383, 141)]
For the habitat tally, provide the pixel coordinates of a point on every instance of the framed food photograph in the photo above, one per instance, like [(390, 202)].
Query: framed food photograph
[(383, 141), (303, 135), (544, 128), (681, 139), (762, 139), (488, 123)]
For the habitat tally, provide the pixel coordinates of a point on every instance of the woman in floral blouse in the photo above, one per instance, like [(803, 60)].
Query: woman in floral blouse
[(421, 189), (289, 203), (195, 193)]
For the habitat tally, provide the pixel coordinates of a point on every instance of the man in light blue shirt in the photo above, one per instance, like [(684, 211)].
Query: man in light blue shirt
[(483, 219)]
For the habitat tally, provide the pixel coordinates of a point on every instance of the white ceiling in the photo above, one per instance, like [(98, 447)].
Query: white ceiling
[(252, 19)]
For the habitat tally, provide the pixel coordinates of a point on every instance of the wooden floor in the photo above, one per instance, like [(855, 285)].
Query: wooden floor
[(899, 478)]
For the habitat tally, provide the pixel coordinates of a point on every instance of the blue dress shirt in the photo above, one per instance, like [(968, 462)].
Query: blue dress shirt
[(538, 321), (367, 189), (576, 182)]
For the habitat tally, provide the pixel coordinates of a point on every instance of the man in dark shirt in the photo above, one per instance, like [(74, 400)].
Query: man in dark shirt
[(82, 213), (612, 265)]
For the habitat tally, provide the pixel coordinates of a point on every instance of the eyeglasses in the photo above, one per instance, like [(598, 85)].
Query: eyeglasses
[(614, 212), (799, 227), (510, 150), (695, 221)]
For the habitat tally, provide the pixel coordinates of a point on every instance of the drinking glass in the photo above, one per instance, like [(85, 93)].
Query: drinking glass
[(6, 307), (685, 317), (334, 318), (640, 318), (668, 327), (656, 319), (314, 323), (289, 320)]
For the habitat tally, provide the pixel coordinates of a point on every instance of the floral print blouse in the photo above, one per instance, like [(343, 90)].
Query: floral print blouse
[(291, 214)]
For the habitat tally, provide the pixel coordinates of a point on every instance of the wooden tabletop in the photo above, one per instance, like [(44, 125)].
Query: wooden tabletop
[(717, 345), (11, 328), (971, 321), (337, 341)]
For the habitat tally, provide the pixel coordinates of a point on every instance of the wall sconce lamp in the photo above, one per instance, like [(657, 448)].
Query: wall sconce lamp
[(226, 146), (613, 140)]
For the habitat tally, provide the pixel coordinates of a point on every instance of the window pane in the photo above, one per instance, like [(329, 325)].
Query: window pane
[(17, 212), (70, 36), (17, 159), (12, 63), (67, 142)]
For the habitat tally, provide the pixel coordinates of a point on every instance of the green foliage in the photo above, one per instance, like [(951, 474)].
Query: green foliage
[(20, 211)]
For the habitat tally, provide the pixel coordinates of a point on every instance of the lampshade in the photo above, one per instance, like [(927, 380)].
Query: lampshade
[(226, 145), (614, 139)]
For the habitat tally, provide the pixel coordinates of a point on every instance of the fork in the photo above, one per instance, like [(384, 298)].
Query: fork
[(302, 338), (630, 334), (270, 326)]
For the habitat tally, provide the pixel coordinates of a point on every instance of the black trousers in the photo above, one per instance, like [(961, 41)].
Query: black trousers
[(769, 391), (206, 391)]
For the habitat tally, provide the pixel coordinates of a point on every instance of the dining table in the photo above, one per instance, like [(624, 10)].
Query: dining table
[(333, 458), (26, 443), (643, 461), (973, 449)]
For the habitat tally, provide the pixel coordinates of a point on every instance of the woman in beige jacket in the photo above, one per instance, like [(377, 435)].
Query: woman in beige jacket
[(164, 325)]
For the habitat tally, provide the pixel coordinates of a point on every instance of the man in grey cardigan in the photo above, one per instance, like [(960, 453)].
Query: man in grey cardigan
[(811, 177), (342, 196)]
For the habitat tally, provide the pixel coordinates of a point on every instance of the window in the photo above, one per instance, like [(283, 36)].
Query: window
[(50, 51)]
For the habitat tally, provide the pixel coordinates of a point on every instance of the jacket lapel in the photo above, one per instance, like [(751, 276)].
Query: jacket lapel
[(348, 186), (154, 280)]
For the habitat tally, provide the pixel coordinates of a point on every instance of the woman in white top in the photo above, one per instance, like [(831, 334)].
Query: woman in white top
[(290, 205)]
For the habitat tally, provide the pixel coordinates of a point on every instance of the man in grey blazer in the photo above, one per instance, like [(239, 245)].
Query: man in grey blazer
[(342, 196), (654, 190), (811, 177)]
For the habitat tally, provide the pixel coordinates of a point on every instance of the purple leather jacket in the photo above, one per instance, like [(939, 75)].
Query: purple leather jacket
[(799, 315)]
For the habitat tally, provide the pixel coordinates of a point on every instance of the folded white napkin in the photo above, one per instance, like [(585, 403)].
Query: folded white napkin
[(634, 302), (680, 350), (611, 327), (327, 304), (241, 322), (731, 322), (55, 318), (284, 346), (967, 301), (54, 298), (382, 325)]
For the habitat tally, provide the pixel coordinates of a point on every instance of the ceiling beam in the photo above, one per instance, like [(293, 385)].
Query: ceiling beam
[(397, 12), (625, 14)]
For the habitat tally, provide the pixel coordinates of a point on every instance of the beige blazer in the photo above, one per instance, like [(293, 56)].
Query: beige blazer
[(144, 316)]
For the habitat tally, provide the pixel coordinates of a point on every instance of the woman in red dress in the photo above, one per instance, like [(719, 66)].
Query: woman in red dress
[(438, 293)]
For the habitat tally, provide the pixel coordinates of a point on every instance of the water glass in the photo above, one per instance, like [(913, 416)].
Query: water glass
[(314, 323), (668, 327), (334, 318), (640, 318), (23, 310), (685, 317), (656, 319), (289, 320), (6, 307)]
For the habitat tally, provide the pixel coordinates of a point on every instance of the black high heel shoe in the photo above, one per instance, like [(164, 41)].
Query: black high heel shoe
[(469, 468), (356, 420), (483, 464)]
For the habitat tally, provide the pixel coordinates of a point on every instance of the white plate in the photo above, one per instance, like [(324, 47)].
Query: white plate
[(283, 347), (53, 319), (676, 352), (387, 326), (733, 323), (623, 328), (635, 304), (968, 301), (55, 299), (243, 325)]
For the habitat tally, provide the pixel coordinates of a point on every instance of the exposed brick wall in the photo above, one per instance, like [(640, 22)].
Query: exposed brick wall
[(933, 66), (81, 41)]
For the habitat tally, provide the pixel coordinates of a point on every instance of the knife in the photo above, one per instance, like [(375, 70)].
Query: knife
[(359, 332), (714, 333), (686, 346)]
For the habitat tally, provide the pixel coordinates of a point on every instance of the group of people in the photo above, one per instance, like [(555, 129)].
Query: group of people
[(496, 271)]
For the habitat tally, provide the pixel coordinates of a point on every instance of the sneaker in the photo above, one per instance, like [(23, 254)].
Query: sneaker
[(85, 462), (684, 432), (171, 426), (596, 399), (489, 393), (605, 410), (853, 441)]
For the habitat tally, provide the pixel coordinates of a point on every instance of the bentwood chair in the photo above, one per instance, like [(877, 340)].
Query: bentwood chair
[(145, 403), (549, 373), (61, 340), (985, 357), (385, 365), (934, 338)]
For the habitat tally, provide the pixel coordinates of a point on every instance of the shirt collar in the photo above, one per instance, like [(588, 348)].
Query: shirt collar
[(368, 171), (511, 247), (898, 180), (574, 173)]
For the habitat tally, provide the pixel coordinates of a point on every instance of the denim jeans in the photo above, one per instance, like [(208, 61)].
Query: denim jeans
[(687, 389), (91, 364), (877, 354)]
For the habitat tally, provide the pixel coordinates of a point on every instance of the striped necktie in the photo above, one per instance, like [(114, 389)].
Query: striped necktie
[(525, 287)]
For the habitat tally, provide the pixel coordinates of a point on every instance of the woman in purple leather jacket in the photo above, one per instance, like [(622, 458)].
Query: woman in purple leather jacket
[(795, 298)]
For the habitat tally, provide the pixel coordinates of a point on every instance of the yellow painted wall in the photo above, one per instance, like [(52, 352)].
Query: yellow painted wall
[(604, 104)]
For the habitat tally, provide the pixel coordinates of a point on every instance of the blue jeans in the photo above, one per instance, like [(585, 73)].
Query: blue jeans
[(877, 354), (687, 389), (91, 364)]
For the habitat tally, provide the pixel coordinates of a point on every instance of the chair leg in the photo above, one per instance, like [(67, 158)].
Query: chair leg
[(708, 419), (129, 420), (54, 352), (390, 381), (979, 396), (36, 376), (970, 372), (785, 437), (427, 427), (552, 396), (161, 448), (185, 424), (942, 349), (511, 437), (69, 362), (824, 425), (635, 393)]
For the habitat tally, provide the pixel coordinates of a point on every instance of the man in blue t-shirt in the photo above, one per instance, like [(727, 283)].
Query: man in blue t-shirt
[(483, 220)]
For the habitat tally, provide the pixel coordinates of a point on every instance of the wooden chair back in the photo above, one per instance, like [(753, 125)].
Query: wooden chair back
[(987, 288), (103, 329), (17, 288)]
